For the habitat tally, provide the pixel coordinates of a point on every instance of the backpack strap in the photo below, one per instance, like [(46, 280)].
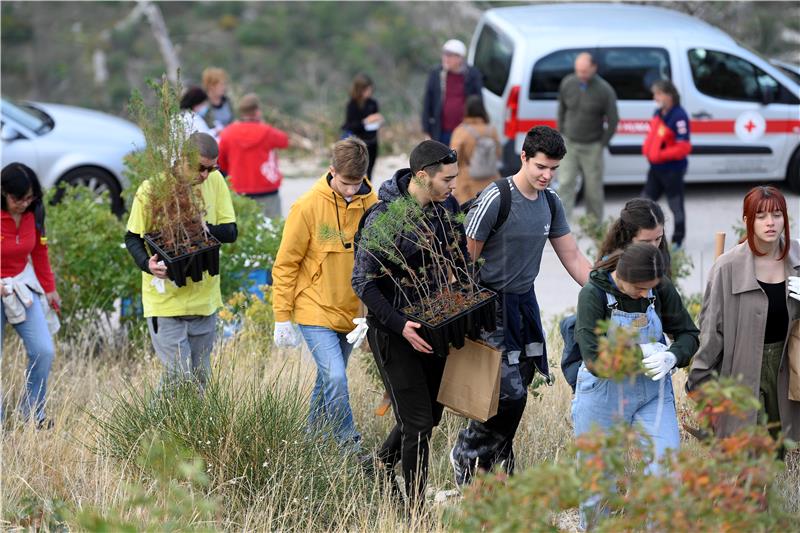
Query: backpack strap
[(505, 205), (551, 202)]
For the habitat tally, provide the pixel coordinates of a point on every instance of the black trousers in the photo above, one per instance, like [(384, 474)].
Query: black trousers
[(671, 184), (372, 151), (412, 380)]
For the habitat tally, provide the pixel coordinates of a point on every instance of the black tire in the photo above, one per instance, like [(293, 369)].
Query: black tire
[(793, 172), (96, 179)]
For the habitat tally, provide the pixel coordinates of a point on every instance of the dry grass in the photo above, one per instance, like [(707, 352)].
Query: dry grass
[(60, 464)]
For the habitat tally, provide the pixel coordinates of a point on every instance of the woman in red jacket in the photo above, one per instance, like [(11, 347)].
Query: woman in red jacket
[(28, 286), (667, 147)]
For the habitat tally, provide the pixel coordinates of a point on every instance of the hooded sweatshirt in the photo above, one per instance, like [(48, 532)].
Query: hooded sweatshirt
[(674, 318), (378, 292), (315, 260), (247, 155)]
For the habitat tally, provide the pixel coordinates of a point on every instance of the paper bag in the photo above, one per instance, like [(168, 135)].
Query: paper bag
[(793, 354), (471, 381)]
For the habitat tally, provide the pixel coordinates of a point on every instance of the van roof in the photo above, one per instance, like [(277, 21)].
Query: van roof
[(600, 19)]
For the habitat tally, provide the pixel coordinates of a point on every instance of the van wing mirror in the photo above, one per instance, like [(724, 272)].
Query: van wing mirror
[(9, 133)]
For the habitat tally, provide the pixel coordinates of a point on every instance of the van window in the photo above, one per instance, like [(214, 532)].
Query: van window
[(729, 77), (493, 55), (630, 71)]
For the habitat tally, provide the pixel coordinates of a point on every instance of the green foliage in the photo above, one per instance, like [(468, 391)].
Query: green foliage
[(15, 29), (255, 443), (178, 501), (255, 248), (88, 256), (253, 315), (729, 486), (618, 354), (34, 513), (173, 204), (596, 232)]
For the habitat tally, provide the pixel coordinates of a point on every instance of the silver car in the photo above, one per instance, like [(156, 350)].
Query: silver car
[(70, 145)]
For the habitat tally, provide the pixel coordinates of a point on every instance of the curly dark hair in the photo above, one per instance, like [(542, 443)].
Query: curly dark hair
[(546, 140)]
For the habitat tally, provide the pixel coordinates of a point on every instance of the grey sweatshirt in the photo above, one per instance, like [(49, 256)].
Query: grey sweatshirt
[(583, 112)]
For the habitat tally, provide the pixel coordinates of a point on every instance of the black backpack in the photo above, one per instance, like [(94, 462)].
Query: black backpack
[(571, 356), (505, 204)]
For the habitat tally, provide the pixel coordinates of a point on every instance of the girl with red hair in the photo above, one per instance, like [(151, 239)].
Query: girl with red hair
[(750, 300)]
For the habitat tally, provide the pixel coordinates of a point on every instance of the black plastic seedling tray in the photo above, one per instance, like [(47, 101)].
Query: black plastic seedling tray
[(189, 265), (455, 329)]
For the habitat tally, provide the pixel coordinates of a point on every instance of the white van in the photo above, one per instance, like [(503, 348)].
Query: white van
[(745, 112)]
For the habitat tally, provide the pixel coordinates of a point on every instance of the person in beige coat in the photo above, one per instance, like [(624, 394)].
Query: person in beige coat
[(749, 303), (466, 137)]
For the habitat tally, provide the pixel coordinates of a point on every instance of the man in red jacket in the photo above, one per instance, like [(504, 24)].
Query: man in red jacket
[(247, 155)]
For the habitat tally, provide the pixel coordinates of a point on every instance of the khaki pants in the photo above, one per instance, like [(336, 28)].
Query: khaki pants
[(585, 159)]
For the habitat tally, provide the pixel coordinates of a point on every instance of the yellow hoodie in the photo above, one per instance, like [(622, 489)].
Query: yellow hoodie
[(311, 276)]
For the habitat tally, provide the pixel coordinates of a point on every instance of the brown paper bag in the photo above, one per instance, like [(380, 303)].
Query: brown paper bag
[(471, 381), (793, 354)]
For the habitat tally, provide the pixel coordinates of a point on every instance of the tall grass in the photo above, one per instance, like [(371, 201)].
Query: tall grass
[(105, 411)]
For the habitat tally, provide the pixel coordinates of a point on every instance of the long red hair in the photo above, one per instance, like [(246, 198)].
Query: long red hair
[(764, 198)]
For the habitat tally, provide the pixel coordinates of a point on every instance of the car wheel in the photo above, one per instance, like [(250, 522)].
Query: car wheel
[(95, 179), (793, 172)]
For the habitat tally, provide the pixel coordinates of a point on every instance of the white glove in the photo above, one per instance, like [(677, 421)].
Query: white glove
[(652, 347), (659, 364), (794, 287), (285, 335), (357, 335)]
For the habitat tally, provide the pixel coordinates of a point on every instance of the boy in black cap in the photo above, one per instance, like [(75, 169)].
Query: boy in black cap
[(410, 371)]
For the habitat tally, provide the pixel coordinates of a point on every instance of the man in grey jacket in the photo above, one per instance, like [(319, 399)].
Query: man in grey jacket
[(587, 118)]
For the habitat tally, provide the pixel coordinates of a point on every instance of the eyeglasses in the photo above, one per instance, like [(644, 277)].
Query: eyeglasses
[(202, 168), (448, 159)]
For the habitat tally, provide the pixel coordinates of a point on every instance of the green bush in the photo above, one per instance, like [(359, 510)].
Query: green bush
[(177, 501), (255, 442), (88, 255), (729, 486), (255, 247)]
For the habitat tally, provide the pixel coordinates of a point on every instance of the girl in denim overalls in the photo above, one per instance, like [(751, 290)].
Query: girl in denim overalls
[(638, 295)]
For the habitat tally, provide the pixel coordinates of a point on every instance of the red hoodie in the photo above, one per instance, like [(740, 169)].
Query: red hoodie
[(247, 155)]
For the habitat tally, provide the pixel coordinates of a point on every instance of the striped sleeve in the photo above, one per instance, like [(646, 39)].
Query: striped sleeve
[(483, 215)]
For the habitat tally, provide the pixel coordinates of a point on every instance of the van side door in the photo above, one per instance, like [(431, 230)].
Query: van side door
[(742, 118)]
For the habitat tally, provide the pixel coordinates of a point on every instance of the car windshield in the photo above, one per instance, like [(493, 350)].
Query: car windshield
[(27, 116)]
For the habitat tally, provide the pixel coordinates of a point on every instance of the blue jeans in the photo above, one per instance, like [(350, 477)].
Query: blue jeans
[(39, 345), (330, 399)]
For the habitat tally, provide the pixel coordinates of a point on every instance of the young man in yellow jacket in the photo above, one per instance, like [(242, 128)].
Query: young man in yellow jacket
[(311, 281)]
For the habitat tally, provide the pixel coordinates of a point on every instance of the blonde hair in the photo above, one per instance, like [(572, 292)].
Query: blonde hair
[(214, 75)]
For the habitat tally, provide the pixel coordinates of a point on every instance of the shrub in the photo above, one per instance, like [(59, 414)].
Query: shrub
[(255, 247), (175, 503), (729, 486), (256, 446), (89, 258)]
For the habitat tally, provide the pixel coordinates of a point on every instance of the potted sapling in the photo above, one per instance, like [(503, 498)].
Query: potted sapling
[(174, 205), (442, 295)]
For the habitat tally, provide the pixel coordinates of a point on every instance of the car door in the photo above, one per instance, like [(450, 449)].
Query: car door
[(739, 116)]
